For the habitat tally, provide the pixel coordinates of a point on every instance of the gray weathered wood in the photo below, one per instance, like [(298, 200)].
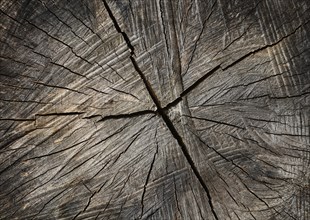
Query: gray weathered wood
[(155, 109)]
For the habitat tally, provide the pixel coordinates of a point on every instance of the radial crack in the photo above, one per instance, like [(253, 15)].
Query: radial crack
[(148, 177), (120, 116), (224, 68), (117, 27), (162, 112), (59, 87)]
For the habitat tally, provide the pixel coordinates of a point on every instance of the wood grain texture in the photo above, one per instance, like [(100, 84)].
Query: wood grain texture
[(155, 109)]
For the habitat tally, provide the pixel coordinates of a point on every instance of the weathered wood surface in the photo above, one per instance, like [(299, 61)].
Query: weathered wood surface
[(155, 109)]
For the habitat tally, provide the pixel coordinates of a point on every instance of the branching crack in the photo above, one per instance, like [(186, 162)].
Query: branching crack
[(199, 37), (224, 68), (64, 23), (192, 87), (89, 200), (161, 111)]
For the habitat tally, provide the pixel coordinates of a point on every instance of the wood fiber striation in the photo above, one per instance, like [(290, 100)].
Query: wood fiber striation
[(155, 109)]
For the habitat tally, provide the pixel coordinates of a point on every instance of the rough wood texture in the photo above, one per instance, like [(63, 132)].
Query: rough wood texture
[(155, 109)]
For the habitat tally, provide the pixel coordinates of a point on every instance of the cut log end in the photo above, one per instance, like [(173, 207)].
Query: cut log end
[(155, 109)]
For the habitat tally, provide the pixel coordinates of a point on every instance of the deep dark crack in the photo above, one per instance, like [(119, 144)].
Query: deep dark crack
[(162, 111)]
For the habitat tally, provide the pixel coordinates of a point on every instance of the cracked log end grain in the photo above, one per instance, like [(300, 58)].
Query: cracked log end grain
[(155, 109)]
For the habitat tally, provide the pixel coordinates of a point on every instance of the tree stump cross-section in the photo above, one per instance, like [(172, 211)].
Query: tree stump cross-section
[(155, 109)]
